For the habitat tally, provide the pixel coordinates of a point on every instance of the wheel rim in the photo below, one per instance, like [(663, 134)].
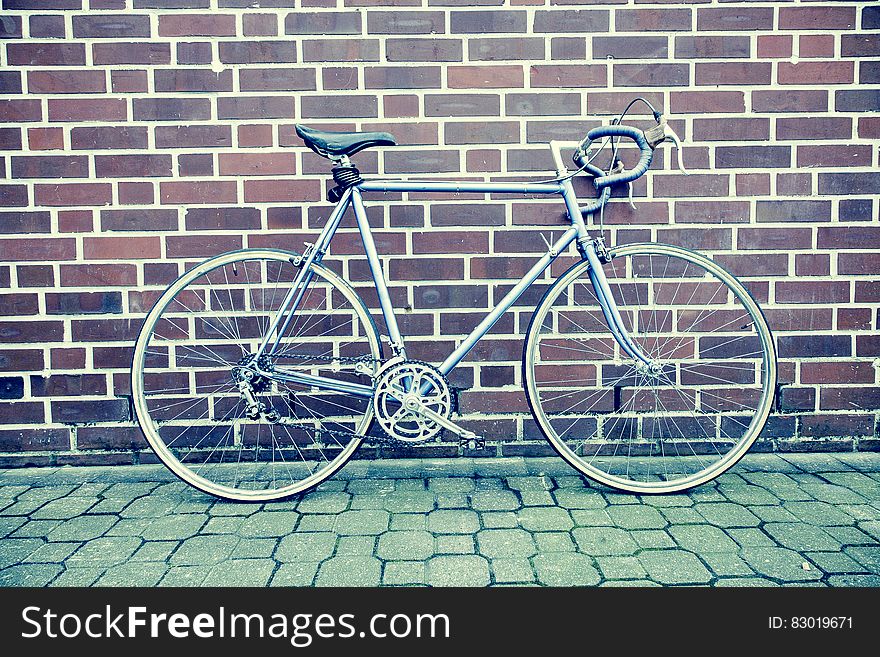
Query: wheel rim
[(632, 428), (197, 343)]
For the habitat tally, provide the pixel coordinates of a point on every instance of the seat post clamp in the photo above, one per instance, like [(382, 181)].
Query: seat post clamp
[(345, 175)]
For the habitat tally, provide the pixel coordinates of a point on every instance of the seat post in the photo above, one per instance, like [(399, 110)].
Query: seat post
[(345, 175)]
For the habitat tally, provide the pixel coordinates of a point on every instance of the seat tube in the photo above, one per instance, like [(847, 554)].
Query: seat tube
[(609, 307), (375, 265)]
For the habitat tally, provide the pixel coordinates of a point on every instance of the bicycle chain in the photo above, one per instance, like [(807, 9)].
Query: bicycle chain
[(383, 439)]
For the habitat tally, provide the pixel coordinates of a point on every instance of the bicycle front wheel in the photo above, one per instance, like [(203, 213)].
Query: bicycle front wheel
[(657, 429), (201, 338)]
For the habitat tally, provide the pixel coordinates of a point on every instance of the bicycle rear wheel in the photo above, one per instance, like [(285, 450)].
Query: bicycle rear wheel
[(630, 427), (198, 341)]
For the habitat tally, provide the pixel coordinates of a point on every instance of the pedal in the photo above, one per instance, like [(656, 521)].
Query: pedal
[(472, 443)]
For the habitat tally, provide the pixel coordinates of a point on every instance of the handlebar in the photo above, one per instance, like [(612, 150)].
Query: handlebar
[(601, 180)]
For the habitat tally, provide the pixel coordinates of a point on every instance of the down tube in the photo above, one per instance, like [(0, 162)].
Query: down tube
[(509, 299)]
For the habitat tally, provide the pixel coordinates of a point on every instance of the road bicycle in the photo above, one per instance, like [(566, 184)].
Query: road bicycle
[(648, 367)]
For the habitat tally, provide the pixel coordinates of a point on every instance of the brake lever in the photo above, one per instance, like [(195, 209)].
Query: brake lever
[(669, 135)]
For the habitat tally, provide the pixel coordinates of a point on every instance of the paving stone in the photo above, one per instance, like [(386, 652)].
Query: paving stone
[(674, 567), (83, 528), (652, 539), (726, 564), (78, 577), (147, 573), (554, 542), (359, 487), (129, 490), (175, 527), (622, 498), (377, 501), (254, 548), (451, 485), (864, 581), (453, 501), (365, 522), (150, 507), (52, 553), (66, 507), (848, 535), (298, 573), (349, 571), (241, 572), (445, 521), (404, 521), (702, 538), (185, 576), (682, 516), (317, 523), (530, 483), (872, 528), (856, 481), (30, 574), (536, 498), (45, 493), (773, 514), (223, 525), (666, 501), (458, 570), (494, 500), (21, 508), (409, 501), (835, 562), (512, 570), (10, 524), (311, 546), (536, 519), (634, 583), (621, 568), (751, 582), (454, 544), (497, 543), (269, 524), (868, 556), (202, 550), (324, 502), (751, 537), (779, 563), (498, 519), (861, 511), (591, 518), (801, 536), (706, 494), (579, 498), (405, 546), (750, 495), (833, 494), (154, 551), (36, 529), (363, 546), (403, 573), (106, 551), (565, 569), (636, 517), (604, 541), (726, 514)]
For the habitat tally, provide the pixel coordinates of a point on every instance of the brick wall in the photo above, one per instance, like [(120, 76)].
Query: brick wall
[(140, 135)]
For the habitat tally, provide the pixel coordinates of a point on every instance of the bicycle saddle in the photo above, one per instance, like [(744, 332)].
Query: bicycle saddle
[(337, 144)]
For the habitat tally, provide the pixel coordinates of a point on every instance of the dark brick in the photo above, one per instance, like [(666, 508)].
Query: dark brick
[(66, 82), (131, 53), (132, 166), (462, 105), (277, 79), (11, 387), (50, 166), (193, 136), (712, 47), (849, 183), (325, 22), (501, 49), (222, 219), (482, 22), (105, 137), (788, 211), (257, 52), (630, 47), (256, 107), (422, 50), (171, 109), (461, 214), (857, 100), (572, 20), (542, 104), (192, 80), (46, 54), (752, 157), (111, 27), (402, 77), (334, 107), (651, 75), (652, 20), (740, 19), (88, 411), (139, 219), (794, 100)]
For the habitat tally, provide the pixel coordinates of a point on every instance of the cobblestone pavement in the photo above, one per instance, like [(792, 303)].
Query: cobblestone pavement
[(794, 519)]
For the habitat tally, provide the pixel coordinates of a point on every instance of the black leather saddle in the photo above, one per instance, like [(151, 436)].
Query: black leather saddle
[(337, 144)]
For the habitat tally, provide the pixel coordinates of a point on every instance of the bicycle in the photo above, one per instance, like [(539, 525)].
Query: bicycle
[(648, 367)]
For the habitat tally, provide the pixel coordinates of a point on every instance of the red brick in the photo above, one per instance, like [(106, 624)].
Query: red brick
[(87, 109), (281, 191), (257, 164), (774, 46), (142, 53), (733, 73), (817, 18), (179, 25), (832, 72), (484, 77), (816, 45), (46, 54), (112, 248), (88, 194)]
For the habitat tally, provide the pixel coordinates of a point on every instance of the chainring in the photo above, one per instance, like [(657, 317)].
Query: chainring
[(406, 379)]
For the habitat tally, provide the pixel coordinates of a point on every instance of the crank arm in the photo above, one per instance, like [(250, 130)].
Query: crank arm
[(461, 432)]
